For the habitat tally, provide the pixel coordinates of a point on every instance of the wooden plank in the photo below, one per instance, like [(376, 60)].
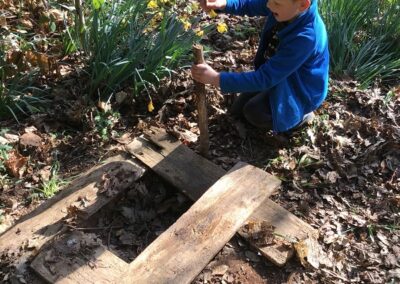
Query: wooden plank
[(193, 174), (181, 252), (41, 225), (68, 264), (177, 164)]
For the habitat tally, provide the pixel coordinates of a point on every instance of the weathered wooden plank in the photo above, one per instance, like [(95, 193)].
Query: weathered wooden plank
[(181, 252), (193, 174), (177, 164), (41, 225), (67, 264)]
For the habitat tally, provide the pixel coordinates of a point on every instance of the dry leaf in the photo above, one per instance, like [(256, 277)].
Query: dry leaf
[(3, 141), (184, 135), (332, 177), (120, 97), (104, 106), (89, 240), (45, 173), (3, 22), (26, 23), (258, 232), (110, 185), (57, 15), (15, 163), (311, 254), (30, 139), (38, 60), (12, 138), (6, 222), (394, 274), (220, 269), (124, 139), (30, 129)]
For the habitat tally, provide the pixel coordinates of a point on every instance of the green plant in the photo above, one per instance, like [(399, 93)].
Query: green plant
[(245, 30), (4, 149), (104, 122), (389, 97), (364, 37), (125, 40), (70, 45), (18, 95), (1, 215), (275, 161), (306, 161), (4, 180), (49, 188)]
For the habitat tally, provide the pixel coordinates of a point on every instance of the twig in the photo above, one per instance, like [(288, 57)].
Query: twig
[(97, 228), (331, 273), (80, 21), (109, 238), (111, 227), (201, 100)]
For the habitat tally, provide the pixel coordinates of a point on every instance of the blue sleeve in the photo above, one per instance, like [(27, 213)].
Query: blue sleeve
[(286, 61), (247, 7)]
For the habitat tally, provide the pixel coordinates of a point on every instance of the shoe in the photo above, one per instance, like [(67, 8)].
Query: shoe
[(307, 120)]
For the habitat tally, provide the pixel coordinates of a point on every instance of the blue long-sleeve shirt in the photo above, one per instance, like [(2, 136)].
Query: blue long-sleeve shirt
[(296, 77)]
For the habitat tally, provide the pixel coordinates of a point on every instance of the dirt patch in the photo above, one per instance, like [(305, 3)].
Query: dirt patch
[(237, 263), (144, 213)]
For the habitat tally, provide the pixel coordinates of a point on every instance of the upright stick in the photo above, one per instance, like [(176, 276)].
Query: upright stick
[(80, 21), (200, 92)]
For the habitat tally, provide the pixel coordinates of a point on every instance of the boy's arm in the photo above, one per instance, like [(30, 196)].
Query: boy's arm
[(247, 7), (280, 66)]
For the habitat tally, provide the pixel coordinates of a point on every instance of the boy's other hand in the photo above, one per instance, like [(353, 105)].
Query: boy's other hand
[(208, 5), (205, 74)]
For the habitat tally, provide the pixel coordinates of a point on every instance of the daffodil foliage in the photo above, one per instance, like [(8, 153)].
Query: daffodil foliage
[(137, 42)]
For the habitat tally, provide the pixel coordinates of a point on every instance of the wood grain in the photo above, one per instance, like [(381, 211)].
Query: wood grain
[(193, 175), (181, 252), (42, 224), (201, 103)]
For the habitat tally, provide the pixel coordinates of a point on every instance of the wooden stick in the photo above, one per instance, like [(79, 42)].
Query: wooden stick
[(201, 99), (80, 21)]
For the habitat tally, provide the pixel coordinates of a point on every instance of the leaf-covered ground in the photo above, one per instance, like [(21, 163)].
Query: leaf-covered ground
[(341, 174)]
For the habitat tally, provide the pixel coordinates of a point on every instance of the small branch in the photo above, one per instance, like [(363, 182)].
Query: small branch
[(96, 228), (333, 274), (201, 100), (80, 20)]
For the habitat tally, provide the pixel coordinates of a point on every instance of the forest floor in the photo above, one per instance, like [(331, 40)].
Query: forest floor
[(340, 174)]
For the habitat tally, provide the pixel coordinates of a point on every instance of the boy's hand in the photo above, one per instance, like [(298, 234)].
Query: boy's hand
[(208, 5), (205, 74)]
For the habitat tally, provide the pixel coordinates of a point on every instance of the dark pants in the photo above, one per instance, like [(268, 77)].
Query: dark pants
[(255, 108)]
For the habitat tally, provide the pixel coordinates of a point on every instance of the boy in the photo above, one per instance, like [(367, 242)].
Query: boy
[(290, 80)]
